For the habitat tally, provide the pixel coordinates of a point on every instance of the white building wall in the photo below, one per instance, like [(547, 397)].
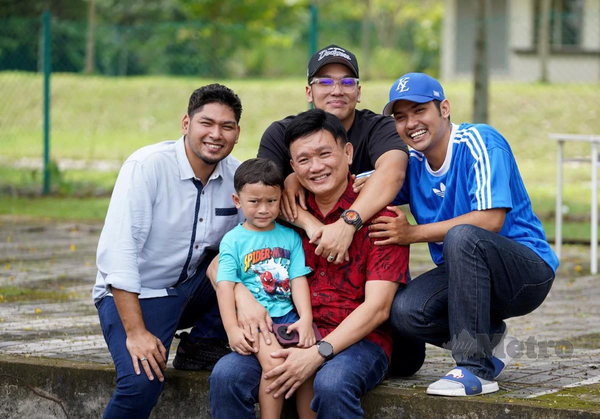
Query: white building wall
[(562, 68), (591, 26), (521, 24)]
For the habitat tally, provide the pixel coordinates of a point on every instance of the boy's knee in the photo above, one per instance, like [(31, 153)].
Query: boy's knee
[(269, 363)]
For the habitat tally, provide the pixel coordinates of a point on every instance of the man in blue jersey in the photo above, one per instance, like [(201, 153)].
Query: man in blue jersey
[(471, 206)]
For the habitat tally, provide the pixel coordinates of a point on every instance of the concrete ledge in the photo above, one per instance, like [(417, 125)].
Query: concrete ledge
[(85, 388)]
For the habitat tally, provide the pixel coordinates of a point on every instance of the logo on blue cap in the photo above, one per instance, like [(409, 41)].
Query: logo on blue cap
[(402, 82), (414, 87)]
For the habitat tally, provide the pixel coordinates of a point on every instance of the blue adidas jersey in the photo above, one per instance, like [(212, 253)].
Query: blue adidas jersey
[(479, 173)]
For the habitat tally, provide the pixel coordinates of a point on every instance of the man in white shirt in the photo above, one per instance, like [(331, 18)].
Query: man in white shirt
[(170, 207)]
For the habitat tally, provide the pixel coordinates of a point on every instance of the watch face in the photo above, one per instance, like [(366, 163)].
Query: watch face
[(351, 215), (325, 349)]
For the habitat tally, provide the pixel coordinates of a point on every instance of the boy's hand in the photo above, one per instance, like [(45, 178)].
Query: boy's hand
[(360, 180), (305, 331), (239, 341)]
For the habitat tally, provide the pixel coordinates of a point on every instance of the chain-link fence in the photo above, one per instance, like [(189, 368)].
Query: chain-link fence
[(116, 87), (143, 73)]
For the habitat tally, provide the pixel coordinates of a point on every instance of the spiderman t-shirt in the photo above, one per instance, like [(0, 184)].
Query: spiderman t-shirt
[(265, 262)]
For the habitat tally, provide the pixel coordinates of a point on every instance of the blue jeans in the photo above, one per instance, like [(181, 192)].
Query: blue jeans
[(339, 383), (461, 304), (192, 302)]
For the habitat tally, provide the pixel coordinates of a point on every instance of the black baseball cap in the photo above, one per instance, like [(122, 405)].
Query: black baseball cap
[(329, 55)]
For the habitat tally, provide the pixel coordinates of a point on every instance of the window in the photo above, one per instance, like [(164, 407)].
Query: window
[(565, 23)]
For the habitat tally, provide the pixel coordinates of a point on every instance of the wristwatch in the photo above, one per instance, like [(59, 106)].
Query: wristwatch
[(325, 350), (352, 217)]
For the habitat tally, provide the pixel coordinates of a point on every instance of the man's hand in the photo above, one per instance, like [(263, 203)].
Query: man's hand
[(212, 270), (299, 365), (147, 349), (334, 240), (292, 191), (394, 230), (252, 316)]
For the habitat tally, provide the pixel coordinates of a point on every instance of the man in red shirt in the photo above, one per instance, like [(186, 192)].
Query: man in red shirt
[(351, 301)]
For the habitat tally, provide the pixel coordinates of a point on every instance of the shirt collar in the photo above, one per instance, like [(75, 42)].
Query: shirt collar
[(185, 168), (344, 203)]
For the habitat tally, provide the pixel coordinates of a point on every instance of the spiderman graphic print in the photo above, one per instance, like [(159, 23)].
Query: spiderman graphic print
[(265, 262)]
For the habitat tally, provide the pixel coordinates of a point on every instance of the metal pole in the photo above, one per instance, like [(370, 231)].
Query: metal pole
[(594, 243), (559, 185), (47, 70)]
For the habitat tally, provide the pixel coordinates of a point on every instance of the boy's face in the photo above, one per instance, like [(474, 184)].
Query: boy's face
[(260, 204)]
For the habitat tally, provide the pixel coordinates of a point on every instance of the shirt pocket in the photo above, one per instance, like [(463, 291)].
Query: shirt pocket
[(226, 212), (225, 219)]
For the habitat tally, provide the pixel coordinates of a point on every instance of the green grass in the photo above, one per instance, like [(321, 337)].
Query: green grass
[(104, 118), (81, 183), (108, 118), (55, 208)]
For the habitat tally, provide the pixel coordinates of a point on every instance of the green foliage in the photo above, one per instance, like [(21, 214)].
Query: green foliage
[(216, 38), (62, 208), (389, 63)]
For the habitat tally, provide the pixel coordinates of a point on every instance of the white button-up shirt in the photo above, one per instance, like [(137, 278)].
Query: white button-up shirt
[(161, 220)]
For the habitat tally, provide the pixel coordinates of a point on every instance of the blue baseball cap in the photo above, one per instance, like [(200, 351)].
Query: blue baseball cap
[(414, 87)]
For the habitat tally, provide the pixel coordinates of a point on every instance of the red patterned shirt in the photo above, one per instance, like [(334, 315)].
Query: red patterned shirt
[(336, 290)]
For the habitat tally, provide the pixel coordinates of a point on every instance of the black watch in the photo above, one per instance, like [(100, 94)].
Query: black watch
[(352, 217), (325, 350)]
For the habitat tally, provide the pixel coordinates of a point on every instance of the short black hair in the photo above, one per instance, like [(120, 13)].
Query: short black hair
[(438, 105), (312, 121), (257, 171), (215, 93)]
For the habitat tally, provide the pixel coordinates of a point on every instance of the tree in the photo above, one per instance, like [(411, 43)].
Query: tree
[(543, 39), (481, 70), (90, 56)]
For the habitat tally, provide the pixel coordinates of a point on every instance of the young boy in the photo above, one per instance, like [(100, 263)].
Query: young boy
[(269, 260)]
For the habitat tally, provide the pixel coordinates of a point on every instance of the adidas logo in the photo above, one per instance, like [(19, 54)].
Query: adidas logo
[(440, 192)]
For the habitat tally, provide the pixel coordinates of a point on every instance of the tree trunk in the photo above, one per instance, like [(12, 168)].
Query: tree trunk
[(481, 69), (90, 50), (544, 39), (366, 41)]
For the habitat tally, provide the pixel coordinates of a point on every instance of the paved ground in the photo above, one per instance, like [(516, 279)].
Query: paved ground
[(47, 271)]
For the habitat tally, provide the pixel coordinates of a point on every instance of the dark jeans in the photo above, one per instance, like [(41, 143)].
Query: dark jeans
[(339, 383), (192, 302), (486, 278)]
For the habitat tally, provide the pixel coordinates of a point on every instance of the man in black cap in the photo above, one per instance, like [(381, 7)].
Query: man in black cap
[(333, 86)]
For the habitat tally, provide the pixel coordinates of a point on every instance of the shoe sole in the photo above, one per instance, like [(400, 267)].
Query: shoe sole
[(460, 392), (186, 364)]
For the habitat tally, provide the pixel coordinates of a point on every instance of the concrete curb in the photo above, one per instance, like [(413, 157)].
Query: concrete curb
[(85, 388)]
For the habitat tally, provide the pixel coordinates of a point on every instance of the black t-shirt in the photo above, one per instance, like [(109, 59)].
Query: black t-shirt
[(371, 135)]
